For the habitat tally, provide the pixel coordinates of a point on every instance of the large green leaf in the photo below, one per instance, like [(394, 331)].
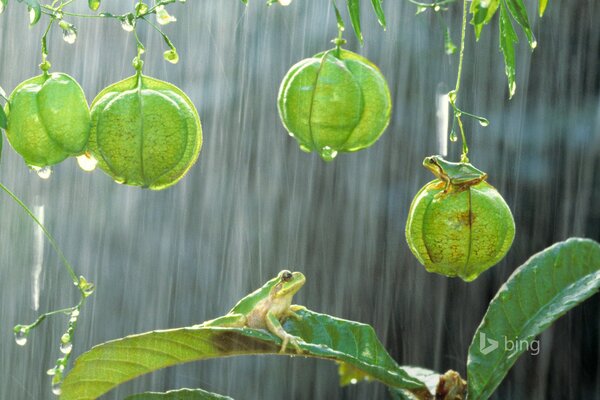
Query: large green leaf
[(350, 343), (182, 394), (508, 37), (482, 11), (540, 291)]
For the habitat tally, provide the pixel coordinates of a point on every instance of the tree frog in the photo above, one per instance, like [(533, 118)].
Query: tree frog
[(456, 176), (267, 308)]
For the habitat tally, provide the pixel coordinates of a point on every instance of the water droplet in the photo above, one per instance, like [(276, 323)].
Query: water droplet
[(452, 96), (94, 4), (66, 348), (127, 25), (436, 8), (70, 35), (119, 181), (421, 9), (75, 314), (65, 338), (453, 137), (42, 172), (328, 154), (533, 44), (51, 371), (21, 336), (484, 122), (291, 134), (171, 56), (305, 149), (32, 15), (56, 389), (87, 162), (163, 17), (353, 381), (512, 88), (285, 2), (141, 8)]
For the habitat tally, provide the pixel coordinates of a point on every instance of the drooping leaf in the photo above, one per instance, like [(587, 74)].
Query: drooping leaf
[(482, 11), (379, 12), (3, 4), (112, 363), (245, 2), (508, 37), (354, 11), (542, 7), (519, 13), (539, 292), (182, 394)]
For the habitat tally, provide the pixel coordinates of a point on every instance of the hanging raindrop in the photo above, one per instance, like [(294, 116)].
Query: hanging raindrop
[(87, 162)]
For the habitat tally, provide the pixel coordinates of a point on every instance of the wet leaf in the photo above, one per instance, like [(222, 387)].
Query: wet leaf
[(338, 16), (482, 11), (519, 13), (542, 7), (354, 11), (430, 378), (508, 37), (539, 292), (183, 394), (110, 364), (379, 12)]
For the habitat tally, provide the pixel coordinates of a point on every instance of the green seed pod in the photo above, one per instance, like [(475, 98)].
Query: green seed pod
[(145, 132), (335, 101), (459, 233), (48, 119)]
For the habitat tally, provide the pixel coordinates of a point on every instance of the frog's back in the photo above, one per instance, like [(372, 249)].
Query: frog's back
[(245, 305)]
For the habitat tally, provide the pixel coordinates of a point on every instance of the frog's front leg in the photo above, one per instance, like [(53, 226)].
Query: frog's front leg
[(229, 321), (291, 312), (274, 326)]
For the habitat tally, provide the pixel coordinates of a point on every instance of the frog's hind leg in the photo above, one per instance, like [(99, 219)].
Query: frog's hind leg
[(229, 321)]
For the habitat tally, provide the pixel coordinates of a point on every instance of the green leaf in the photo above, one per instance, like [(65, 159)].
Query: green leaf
[(110, 364), (519, 13), (35, 11), (539, 292), (354, 11), (3, 4), (379, 12), (508, 37), (338, 16), (2, 119), (94, 4), (482, 14), (245, 2), (182, 394), (542, 7), (430, 378)]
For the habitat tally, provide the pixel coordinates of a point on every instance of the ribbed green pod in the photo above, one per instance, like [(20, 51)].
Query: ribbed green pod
[(145, 132), (336, 101), (48, 119), (460, 233)]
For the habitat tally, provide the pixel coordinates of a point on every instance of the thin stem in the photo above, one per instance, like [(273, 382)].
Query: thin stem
[(165, 37), (48, 236), (45, 45), (453, 95)]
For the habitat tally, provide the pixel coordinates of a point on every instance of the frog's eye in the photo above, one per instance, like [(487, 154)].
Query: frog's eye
[(286, 276)]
